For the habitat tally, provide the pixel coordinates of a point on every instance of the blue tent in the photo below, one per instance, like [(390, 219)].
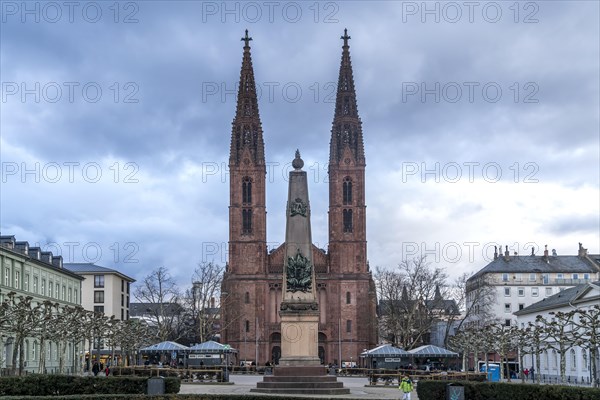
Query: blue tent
[(386, 356), (165, 346)]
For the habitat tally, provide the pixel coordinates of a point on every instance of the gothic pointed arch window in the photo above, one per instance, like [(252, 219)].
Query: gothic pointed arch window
[(347, 217), (247, 190), (247, 298), (347, 191), (246, 221)]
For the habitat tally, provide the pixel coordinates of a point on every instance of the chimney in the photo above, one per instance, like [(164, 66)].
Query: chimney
[(532, 251), (506, 253), (582, 252), (545, 258), (554, 253), (495, 252)]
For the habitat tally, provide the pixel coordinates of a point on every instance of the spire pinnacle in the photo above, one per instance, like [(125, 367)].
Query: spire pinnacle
[(247, 130), (345, 37), (347, 127), (246, 39)]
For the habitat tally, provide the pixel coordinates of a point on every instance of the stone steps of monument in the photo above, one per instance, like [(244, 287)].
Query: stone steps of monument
[(326, 391), (296, 384), (322, 378)]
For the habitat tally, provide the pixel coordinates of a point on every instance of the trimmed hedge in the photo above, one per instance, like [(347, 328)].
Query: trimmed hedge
[(53, 385), (170, 397), (436, 390)]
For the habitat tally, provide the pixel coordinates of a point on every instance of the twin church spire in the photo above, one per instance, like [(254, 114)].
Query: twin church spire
[(247, 134), (347, 127)]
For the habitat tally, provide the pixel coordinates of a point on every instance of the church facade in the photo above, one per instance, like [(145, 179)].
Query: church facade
[(252, 284)]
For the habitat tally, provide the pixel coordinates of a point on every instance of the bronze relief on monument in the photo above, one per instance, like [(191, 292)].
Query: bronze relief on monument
[(298, 273)]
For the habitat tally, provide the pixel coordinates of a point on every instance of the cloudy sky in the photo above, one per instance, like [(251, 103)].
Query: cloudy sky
[(480, 121)]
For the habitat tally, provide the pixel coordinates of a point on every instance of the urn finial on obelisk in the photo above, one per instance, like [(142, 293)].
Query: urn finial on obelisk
[(299, 308)]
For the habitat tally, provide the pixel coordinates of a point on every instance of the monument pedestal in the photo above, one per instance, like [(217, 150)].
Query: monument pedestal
[(301, 380)]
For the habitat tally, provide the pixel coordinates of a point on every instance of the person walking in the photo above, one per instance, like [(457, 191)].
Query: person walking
[(96, 368), (526, 372), (406, 387)]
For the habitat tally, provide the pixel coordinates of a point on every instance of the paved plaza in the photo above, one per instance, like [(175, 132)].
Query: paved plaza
[(243, 384)]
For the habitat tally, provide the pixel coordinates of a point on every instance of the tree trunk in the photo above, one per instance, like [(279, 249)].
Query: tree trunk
[(538, 365), (521, 361), (594, 366), (21, 356), (15, 355), (563, 366), (42, 357)]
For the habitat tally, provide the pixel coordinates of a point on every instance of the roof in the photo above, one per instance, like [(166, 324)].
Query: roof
[(213, 347), (385, 350), (560, 299), (139, 309), (564, 264), (165, 346), (90, 268), (432, 351)]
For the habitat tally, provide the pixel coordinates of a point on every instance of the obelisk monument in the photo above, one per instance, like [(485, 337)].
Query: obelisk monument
[(299, 309), (299, 370)]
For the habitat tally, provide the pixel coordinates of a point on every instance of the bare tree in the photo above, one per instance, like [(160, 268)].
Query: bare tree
[(200, 302), (587, 336), (21, 320), (475, 296), (408, 301), (535, 346), (559, 336), (162, 295)]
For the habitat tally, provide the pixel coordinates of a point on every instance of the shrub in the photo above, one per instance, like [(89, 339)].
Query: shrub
[(53, 385), (435, 390)]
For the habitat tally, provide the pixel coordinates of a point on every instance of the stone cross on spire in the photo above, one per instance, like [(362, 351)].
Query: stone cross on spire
[(246, 39), (345, 37)]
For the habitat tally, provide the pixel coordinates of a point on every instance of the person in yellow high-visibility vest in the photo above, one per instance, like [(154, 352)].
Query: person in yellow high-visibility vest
[(406, 387)]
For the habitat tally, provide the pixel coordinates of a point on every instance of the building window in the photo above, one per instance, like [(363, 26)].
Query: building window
[(99, 309), (521, 306), (127, 301), (70, 295), (128, 287), (35, 284), (532, 277), (122, 301), (586, 277), (535, 292), (34, 350), (247, 327), (50, 287), (64, 293), (548, 291), (127, 314), (545, 279), (584, 357), (507, 322), (98, 296), (573, 359), (26, 282), (347, 214), (507, 307), (554, 359), (575, 276), (122, 314), (247, 298), (122, 285), (246, 221), (507, 291), (347, 191), (76, 297), (56, 290), (98, 281), (349, 326), (247, 191), (505, 277), (560, 276), (43, 287), (17, 280), (6, 277), (518, 277), (521, 291), (348, 298)]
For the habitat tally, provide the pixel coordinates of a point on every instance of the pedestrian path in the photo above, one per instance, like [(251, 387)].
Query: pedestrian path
[(243, 384)]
